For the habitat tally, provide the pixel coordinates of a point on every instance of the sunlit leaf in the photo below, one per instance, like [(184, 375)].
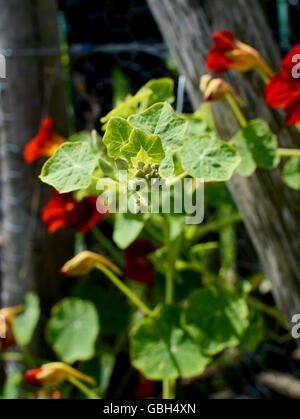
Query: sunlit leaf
[(209, 159), (257, 146), (70, 168)]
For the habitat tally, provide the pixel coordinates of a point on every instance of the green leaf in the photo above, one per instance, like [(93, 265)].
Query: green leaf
[(257, 146), (215, 319), (101, 368), (129, 106), (291, 173), (196, 125), (73, 329), (144, 147), (113, 322), (254, 333), (160, 119), (166, 167), (117, 135), (70, 168), (127, 228), (161, 91), (11, 385), (161, 349), (25, 323), (209, 159)]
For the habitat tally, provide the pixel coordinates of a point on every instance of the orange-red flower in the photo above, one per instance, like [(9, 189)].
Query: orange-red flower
[(138, 267), (45, 143), (63, 211), (228, 53), (7, 315), (283, 90)]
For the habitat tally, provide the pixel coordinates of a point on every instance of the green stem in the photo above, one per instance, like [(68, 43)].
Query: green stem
[(168, 385), (124, 289), (83, 388), (270, 311), (173, 181), (11, 356), (236, 110), (288, 152), (263, 74), (212, 122), (168, 389), (215, 226), (108, 246)]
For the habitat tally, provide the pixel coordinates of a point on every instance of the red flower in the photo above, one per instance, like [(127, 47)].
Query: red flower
[(145, 388), (138, 267), (31, 376), (227, 53), (45, 143), (63, 211), (283, 90)]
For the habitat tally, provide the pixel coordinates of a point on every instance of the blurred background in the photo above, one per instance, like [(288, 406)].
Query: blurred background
[(77, 59)]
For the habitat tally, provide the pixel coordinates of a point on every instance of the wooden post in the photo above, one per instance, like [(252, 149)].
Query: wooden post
[(24, 100)]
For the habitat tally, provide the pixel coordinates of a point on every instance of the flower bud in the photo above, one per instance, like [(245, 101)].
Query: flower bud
[(54, 373), (85, 262), (215, 89)]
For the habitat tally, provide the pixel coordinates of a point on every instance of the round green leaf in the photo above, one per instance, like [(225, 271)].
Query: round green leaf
[(161, 349), (291, 173), (73, 329), (25, 323), (70, 168), (215, 319), (160, 119), (117, 135), (207, 158), (257, 146)]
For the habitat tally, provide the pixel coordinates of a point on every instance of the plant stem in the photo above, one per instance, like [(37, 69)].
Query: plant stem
[(212, 123), (168, 389), (124, 289), (108, 246), (270, 311), (11, 356), (288, 152), (176, 179), (215, 226), (263, 74), (83, 388), (168, 385), (236, 110)]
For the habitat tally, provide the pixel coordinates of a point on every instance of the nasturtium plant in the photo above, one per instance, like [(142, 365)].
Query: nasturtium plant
[(25, 323), (73, 329), (257, 146), (162, 349), (186, 313)]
